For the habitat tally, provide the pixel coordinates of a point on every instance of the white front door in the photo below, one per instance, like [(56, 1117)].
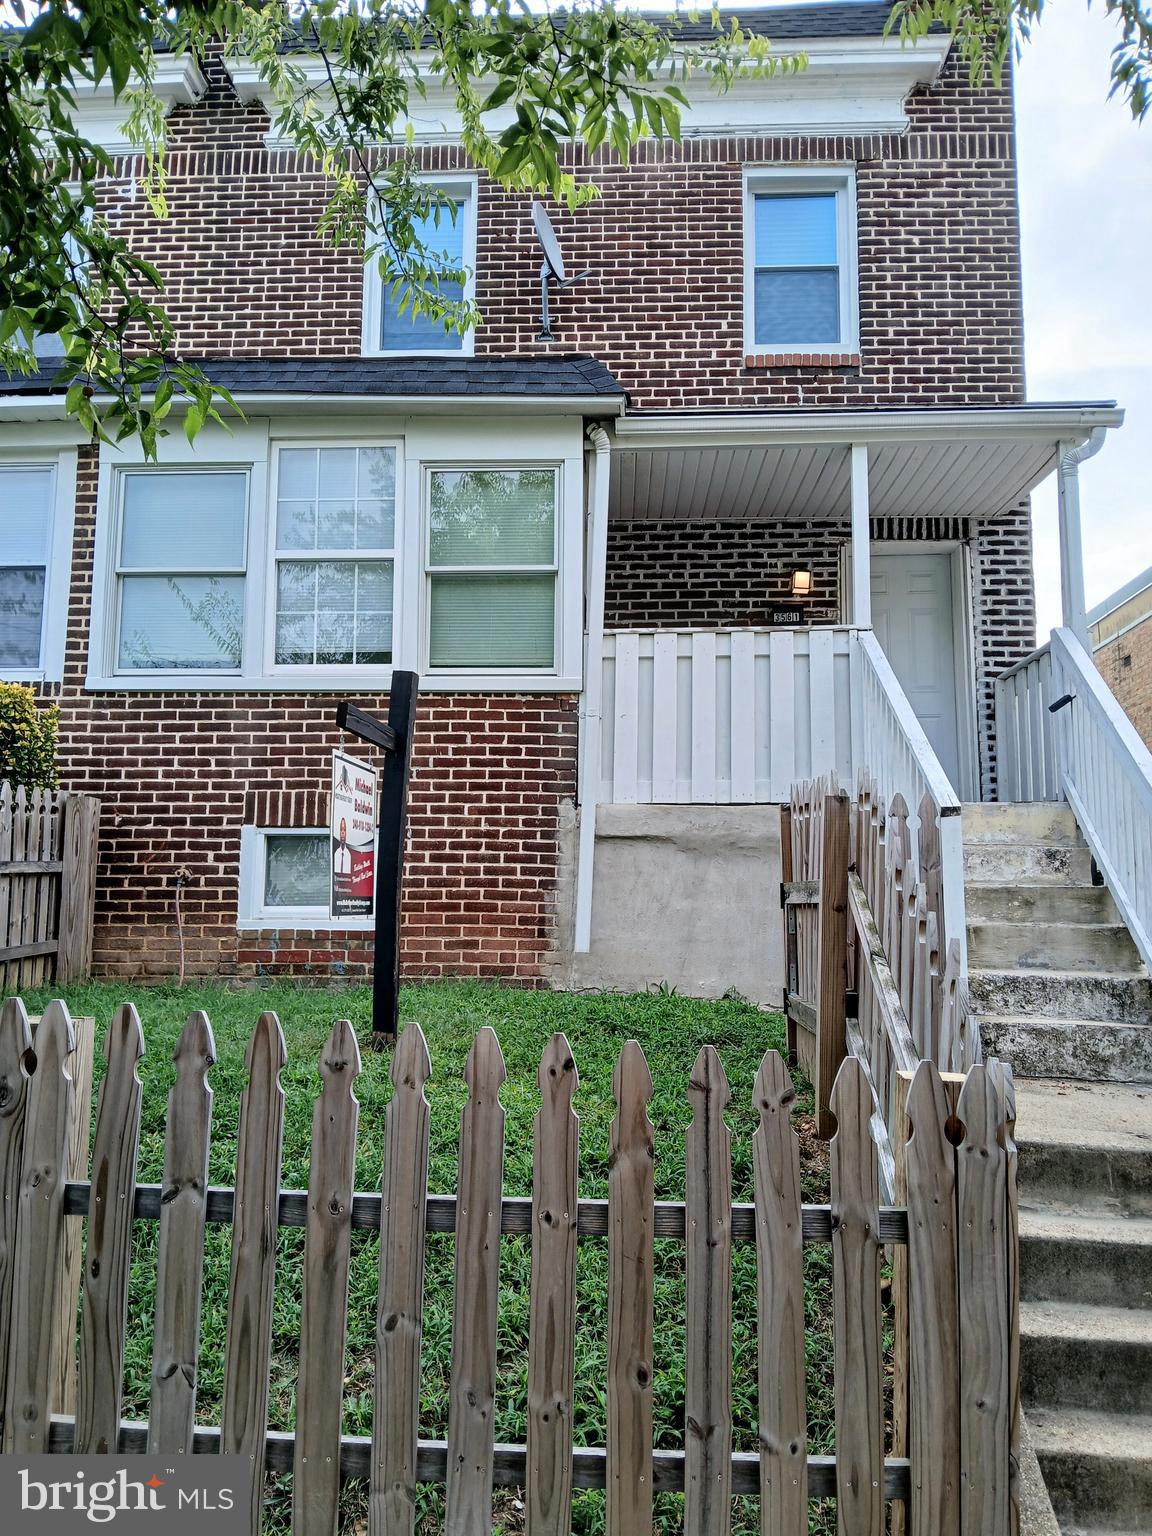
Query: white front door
[(914, 622)]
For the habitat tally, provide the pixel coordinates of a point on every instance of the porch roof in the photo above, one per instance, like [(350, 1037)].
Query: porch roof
[(796, 465)]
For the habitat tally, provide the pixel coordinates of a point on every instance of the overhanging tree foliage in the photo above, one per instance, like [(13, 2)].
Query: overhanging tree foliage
[(590, 74)]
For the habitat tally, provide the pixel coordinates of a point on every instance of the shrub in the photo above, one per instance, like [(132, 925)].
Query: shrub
[(27, 738)]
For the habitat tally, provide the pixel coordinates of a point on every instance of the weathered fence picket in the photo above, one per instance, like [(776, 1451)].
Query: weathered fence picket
[(48, 842), (324, 1308), (958, 1167), (180, 1248), (399, 1312)]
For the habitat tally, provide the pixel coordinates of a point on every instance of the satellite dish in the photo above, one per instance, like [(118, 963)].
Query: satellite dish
[(549, 244), (552, 269)]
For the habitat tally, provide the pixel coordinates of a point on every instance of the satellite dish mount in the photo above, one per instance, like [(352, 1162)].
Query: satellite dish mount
[(552, 267)]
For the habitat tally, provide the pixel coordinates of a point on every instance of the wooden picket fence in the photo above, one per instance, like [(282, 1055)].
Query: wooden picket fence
[(957, 1229), (866, 978), (47, 885)]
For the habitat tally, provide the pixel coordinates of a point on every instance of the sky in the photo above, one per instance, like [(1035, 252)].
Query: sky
[(1086, 225)]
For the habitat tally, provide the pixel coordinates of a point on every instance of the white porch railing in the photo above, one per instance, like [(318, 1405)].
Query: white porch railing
[(1089, 754), (723, 716), (891, 744), (1025, 750)]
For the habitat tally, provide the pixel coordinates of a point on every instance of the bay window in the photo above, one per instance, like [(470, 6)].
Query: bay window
[(492, 568), (335, 556), (181, 570)]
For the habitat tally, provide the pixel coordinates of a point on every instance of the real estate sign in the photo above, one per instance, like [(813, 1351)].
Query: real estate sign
[(353, 884)]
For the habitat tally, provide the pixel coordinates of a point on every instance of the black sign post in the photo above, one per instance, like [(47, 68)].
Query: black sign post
[(395, 741)]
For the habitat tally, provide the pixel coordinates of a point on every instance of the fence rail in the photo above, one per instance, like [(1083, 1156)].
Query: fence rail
[(957, 1475), (724, 716), (47, 885)]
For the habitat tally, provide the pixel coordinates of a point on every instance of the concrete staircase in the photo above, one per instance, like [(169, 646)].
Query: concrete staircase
[(1055, 978), (1086, 1299)]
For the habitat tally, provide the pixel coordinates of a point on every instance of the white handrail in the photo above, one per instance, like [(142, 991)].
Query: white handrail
[(1106, 776), (892, 746), (1025, 746)]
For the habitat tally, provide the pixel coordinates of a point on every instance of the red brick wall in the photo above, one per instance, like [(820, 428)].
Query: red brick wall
[(179, 775), (1125, 664), (938, 252)]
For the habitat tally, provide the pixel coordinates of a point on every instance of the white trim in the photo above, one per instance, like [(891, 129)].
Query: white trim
[(101, 115), (459, 187), (48, 410), (1047, 422), (861, 542), (253, 915), (58, 562), (794, 180), (852, 85)]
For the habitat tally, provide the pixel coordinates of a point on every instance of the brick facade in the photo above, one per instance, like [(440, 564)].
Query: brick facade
[(1122, 650), (246, 275)]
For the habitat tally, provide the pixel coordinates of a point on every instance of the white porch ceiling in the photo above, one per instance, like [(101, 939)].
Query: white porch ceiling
[(921, 464)]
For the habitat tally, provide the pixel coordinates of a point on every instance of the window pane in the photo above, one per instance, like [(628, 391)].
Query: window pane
[(333, 613), (181, 622), (184, 522), (296, 870), (495, 621), (493, 517), (21, 615), (351, 498), (796, 231), (796, 307), (25, 513), (441, 233)]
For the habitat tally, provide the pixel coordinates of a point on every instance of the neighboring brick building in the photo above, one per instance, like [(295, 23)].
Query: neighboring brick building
[(1121, 630), (823, 275)]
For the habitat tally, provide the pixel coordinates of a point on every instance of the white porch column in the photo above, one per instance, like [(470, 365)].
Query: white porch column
[(1073, 604), (861, 550), (590, 707)]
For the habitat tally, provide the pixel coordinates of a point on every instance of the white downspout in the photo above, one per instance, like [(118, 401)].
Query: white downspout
[(1072, 599), (592, 697)]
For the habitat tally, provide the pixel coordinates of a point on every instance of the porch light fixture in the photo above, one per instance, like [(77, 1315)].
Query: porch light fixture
[(801, 583)]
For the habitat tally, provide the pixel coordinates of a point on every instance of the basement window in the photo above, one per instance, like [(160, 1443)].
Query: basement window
[(800, 262), (284, 879)]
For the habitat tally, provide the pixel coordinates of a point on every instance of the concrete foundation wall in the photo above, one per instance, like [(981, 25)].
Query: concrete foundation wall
[(684, 896)]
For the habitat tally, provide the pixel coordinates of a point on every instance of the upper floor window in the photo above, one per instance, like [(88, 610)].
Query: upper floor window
[(448, 230), (37, 500), (800, 262)]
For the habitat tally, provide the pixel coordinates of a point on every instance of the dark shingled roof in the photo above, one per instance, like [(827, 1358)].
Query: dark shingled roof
[(554, 377)]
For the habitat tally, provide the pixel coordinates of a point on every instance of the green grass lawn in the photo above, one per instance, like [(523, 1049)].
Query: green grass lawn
[(671, 1030)]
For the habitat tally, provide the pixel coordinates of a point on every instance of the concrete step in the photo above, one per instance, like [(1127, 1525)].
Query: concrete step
[(1027, 864), (1099, 1050), (1032, 822), (1097, 1468), (1060, 994), (1085, 1145), (1041, 904), (1053, 946), (1103, 1261), (1073, 1356)]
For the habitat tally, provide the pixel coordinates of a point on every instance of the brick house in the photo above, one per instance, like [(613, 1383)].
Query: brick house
[(785, 406), (1121, 631)]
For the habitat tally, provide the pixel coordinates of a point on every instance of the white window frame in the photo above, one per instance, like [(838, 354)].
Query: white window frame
[(797, 180), (25, 452), (555, 569), (458, 187), (365, 676), (472, 441), (252, 914), (120, 571)]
